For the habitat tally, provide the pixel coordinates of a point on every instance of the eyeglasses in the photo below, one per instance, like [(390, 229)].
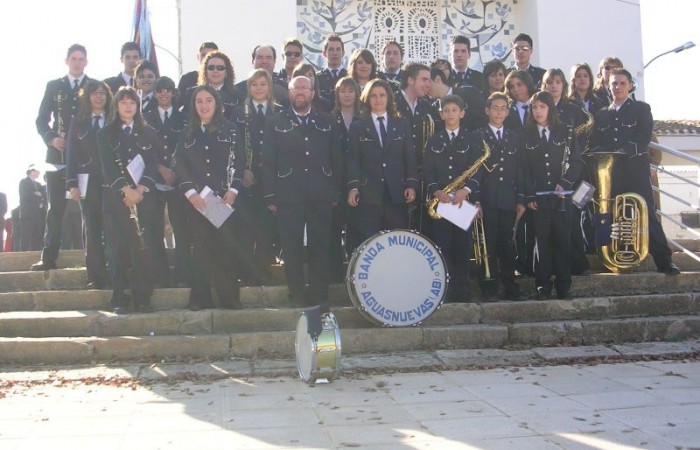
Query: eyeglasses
[(294, 54), (609, 68), (212, 67), (523, 49)]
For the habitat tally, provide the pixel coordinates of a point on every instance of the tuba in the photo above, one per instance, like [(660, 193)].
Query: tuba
[(621, 223)]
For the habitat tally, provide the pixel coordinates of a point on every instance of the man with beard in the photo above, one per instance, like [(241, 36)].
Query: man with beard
[(301, 178)]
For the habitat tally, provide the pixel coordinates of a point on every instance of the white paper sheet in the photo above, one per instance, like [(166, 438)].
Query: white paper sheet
[(460, 216), (136, 168), (216, 211)]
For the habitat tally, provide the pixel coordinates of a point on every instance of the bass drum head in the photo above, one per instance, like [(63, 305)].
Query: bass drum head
[(397, 278)]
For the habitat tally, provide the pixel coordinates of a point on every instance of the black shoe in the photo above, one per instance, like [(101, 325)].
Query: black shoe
[(565, 295), (542, 294), (94, 285), (43, 265), (121, 310), (144, 309), (671, 269)]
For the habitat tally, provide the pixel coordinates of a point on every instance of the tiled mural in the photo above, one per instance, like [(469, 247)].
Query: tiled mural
[(424, 27)]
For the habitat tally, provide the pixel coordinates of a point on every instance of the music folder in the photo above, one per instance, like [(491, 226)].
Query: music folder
[(461, 216), (216, 210)]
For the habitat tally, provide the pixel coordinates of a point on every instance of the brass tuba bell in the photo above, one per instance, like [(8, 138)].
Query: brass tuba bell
[(621, 223)]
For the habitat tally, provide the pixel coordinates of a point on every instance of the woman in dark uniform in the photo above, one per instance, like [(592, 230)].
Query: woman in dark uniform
[(217, 71), (129, 201), (382, 174), (549, 163), (82, 160), (210, 155)]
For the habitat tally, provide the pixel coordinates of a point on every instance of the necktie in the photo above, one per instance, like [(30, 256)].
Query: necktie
[(127, 131), (382, 130), (460, 76), (452, 136), (335, 73), (498, 135), (302, 120), (523, 116), (544, 136), (96, 122), (166, 116), (261, 113), (76, 85)]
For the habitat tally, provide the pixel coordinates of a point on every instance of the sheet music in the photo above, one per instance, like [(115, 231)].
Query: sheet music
[(82, 186), (48, 167), (136, 168), (216, 211), (460, 216)]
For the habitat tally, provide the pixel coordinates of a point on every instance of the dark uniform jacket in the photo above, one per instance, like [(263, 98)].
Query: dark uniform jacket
[(495, 185), (446, 160), (513, 120), (396, 79), (142, 141), (627, 130), (168, 132), (418, 120), (541, 166), (326, 82), (82, 155), (571, 114), (471, 78), (301, 163), (371, 166), (203, 160), (32, 198), (49, 110), (230, 99), (253, 126), (115, 83)]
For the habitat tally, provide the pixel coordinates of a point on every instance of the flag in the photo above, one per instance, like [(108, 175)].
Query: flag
[(141, 32)]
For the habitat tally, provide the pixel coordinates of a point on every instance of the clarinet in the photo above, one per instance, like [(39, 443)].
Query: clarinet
[(61, 126), (565, 160), (133, 210), (230, 168)]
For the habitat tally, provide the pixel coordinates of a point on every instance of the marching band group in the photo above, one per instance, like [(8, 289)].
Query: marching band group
[(327, 159)]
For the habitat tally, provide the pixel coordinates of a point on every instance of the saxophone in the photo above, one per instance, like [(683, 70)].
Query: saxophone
[(459, 182)]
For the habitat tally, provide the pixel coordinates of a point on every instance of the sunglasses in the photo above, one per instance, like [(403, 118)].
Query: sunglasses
[(611, 67), (212, 67), (294, 54)]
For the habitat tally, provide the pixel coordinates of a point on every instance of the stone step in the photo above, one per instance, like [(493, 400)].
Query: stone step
[(594, 285), (280, 344), (39, 324), (21, 261)]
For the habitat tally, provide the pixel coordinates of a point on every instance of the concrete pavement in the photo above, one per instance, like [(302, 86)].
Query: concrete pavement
[(523, 403)]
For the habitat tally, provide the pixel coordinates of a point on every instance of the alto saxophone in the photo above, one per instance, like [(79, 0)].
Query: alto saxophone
[(459, 182)]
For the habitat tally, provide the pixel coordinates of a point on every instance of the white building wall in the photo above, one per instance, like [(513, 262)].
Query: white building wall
[(567, 32), (236, 27)]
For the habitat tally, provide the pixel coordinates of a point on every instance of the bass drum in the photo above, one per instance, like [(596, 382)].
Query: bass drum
[(318, 358), (397, 278)]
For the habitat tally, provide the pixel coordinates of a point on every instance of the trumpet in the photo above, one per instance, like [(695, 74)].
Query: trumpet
[(481, 255)]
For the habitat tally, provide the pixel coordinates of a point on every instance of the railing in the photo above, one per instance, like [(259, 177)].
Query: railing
[(692, 160)]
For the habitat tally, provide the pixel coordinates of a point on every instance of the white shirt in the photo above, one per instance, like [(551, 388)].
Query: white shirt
[(522, 109), (127, 78), (102, 119), (376, 125), (411, 105), (539, 131), (255, 106), (162, 112), (496, 130), (449, 132), (72, 79)]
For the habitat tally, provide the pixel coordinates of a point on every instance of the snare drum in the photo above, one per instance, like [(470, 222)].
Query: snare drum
[(318, 358), (397, 278)]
